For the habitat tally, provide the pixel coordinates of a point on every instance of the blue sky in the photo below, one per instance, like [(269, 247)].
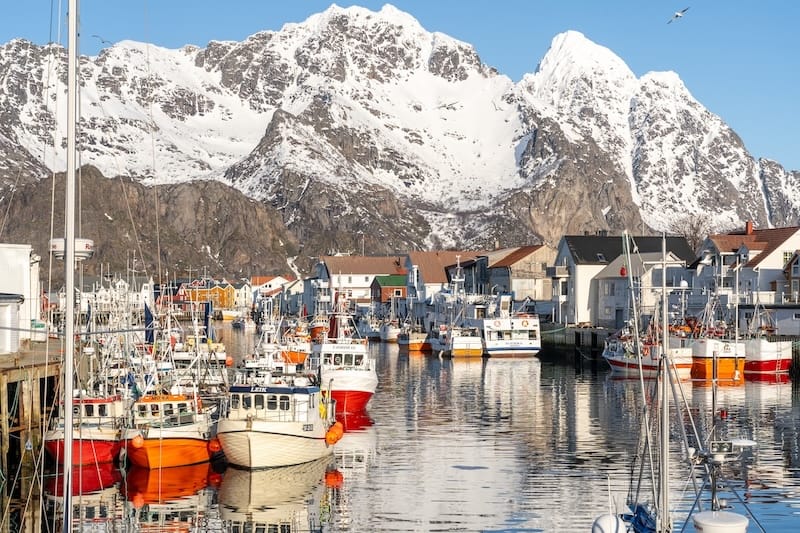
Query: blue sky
[(739, 59)]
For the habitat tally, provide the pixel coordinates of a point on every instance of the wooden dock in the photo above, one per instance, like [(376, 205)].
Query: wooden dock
[(28, 380)]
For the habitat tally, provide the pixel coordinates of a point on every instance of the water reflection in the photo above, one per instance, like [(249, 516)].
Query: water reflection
[(291, 498), (532, 444)]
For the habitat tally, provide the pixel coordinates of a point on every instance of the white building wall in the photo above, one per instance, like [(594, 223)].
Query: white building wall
[(20, 268)]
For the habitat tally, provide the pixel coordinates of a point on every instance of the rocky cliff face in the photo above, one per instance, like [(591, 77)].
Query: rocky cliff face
[(357, 124)]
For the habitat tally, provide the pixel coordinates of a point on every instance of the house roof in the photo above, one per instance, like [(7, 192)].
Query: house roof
[(765, 241), (359, 264), (640, 263), (394, 280), (432, 265), (515, 255), (600, 250)]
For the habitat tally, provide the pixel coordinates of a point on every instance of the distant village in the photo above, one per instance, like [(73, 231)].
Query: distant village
[(586, 282)]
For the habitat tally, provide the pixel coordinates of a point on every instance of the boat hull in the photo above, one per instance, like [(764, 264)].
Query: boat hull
[(767, 357), (271, 444), (86, 450), (351, 401), (726, 355), (168, 452)]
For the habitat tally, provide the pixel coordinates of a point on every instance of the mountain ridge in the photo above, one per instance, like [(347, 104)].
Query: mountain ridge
[(361, 121)]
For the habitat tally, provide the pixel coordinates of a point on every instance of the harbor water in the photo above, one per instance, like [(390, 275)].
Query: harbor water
[(536, 444)]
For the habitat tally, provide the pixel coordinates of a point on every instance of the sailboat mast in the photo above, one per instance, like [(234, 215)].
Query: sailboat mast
[(663, 471), (69, 255)]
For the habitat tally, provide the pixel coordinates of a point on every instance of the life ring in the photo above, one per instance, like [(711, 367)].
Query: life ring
[(645, 350), (497, 323), (524, 323)]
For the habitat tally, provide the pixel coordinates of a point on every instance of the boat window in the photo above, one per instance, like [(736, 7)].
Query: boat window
[(247, 401), (142, 410), (234, 401), (337, 359), (272, 402), (102, 409), (154, 409), (89, 410), (327, 360), (168, 409), (359, 359), (259, 401), (348, 359), (182, 408), (284, 403), (76, 410)]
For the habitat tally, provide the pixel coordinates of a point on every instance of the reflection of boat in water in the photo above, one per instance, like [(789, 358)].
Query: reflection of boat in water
[(354, 421), (275, 499), (356, 451), (94, 495), (168, 499), (158, 485), (84, 479)]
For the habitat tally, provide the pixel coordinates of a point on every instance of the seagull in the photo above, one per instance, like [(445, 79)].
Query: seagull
[(677, 15)]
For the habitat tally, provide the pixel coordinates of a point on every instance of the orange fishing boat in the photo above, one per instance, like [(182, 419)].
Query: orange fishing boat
[(721, 358), (169, 430)]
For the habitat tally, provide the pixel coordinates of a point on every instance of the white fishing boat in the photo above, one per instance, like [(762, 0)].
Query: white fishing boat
[(277, 420)]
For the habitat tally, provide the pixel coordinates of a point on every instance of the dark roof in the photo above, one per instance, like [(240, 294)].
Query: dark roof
[(601, 250)]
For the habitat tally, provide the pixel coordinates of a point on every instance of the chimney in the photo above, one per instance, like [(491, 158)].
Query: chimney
[(748, 228)]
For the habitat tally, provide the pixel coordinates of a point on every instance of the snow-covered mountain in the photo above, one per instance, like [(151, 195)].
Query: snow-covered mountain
[(360, 121)]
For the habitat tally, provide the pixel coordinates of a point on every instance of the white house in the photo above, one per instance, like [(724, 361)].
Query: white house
[(20, 268), (581, 258)]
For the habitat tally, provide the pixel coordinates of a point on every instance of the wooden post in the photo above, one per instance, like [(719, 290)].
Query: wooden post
[(4, 428)]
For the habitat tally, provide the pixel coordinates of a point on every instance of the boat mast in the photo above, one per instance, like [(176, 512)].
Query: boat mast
[(69, 255), (663, 517)]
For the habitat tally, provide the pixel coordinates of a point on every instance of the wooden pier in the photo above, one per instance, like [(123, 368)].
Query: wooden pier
[(28, 380)]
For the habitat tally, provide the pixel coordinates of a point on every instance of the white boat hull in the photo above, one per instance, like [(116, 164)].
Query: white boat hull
[(260, 444)]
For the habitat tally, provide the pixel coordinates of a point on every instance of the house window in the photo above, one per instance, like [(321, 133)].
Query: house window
[(796, 316), (796, 269), (366, 279), (349, 280), (787, 256), (398, 292)]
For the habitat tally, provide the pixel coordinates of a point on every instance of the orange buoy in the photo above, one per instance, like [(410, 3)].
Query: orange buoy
[(334, 433), (214, 445), (334, 478), (229, 361), (138, 500)]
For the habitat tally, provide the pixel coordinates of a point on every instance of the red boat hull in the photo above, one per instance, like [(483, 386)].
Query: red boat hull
[(84, 451), (768, 366), (351, 401)]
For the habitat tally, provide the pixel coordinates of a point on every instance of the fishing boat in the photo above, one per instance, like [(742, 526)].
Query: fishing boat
[(450, 335), (345, 365), (169, 430), (414, 339), (506, 332), (96, 436), (285, 421), (634, 350), (765, 355)]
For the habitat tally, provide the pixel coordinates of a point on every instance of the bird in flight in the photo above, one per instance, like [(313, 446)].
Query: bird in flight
[(677, 15)]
